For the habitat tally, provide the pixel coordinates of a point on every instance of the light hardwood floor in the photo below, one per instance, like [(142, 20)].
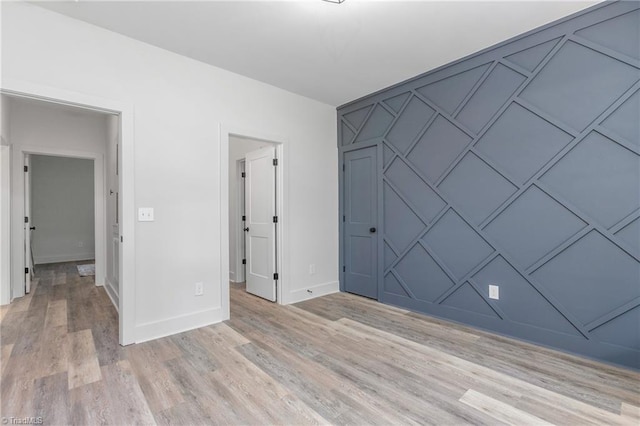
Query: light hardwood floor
[(338, 359)]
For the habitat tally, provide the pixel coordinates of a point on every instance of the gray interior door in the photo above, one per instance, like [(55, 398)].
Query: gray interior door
[(361, 222)]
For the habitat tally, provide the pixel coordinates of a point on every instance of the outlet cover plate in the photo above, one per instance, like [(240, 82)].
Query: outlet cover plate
[(494, 292)]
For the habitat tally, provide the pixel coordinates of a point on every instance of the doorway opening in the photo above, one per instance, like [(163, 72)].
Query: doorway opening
[(60, 220), (254, 242), (112, 196)]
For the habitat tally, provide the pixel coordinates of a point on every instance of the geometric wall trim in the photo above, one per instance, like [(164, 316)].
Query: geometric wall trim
[(624, 120), (630, 235), (415, 266), (376, 124), (438, 147), (490, 96), (406, 224), (623, 330), (409, 124), (518, 166), (393, 286), (520, 300), (396, 102), (449, 92), (585, 94), (599, 177), (539, 220), (456, 243), (537, 142), (591, 278), (357, 117), (476, 188), (531, 57), (468, 299), (619, 33), (425, 200)]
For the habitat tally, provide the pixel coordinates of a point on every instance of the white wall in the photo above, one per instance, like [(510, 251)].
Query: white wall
[(5, 203), (62, 209), (179, 104), (238, 148)]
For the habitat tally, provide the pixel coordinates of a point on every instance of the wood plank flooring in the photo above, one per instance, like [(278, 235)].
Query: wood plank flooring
[(338, 359)]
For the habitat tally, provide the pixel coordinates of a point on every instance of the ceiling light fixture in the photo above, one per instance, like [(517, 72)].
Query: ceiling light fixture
[(334, 1)]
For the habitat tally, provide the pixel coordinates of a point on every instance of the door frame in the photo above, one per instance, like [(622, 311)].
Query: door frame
[(342, 150), (6, 289), (126, 301), (240, 269), (282, 210), (99, 201)]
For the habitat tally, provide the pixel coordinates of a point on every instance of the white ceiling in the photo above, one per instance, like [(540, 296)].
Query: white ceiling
[(334, 53)]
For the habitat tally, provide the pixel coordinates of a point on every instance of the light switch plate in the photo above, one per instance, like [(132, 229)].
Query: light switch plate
[(145, 214)]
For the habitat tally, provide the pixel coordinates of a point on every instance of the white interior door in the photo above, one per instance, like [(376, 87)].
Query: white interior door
[(28, 263), (260, 235)]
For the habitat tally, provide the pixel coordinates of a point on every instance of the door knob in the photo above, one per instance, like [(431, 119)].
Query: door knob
[(372, 230), (33, 228), (246, 229)]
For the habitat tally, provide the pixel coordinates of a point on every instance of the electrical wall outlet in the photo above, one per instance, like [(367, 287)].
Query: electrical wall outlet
[(145, 214), (312, 269), (494, 292), (199, 289)]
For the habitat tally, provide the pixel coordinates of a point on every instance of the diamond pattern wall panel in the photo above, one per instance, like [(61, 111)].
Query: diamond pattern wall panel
[(518, 167), (599, 177), (619, 34), (393, 286), (476, 188), (449, 92), (406, 128), (346, 134), (456, 243), (467, 299), (519, 299), (520, 142), (389, 256), (401, 225), (438, 148), (356, 118), (630, 234), (623, 330), (624, 121), (531, 57), (396, 102), (376, 125), (591, 277), (387, 154), (490, 96), (426, 280), (539, 220), (425, 200), (591, 82)]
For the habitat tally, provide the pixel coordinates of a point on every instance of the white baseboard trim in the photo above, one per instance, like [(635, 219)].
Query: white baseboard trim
[(58, 258), (316, 291), (113, 295), (163, 328)]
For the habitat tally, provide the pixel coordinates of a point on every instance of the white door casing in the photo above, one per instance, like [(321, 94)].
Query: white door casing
[(260, 205), (126, 255)]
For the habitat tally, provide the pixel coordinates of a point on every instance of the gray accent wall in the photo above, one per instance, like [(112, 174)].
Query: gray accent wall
[(518, 166)]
